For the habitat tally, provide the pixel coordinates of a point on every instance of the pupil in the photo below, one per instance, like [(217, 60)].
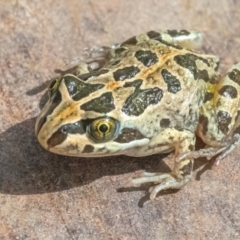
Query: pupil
[(103, 128)]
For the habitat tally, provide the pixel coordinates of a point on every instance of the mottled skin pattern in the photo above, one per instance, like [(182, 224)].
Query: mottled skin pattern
[(145, 96)]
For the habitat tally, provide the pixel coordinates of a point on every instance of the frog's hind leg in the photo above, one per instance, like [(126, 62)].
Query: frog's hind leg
[(228, 110), (219, 121), (183, 38)]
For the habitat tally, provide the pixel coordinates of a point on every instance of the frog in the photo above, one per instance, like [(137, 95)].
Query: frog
[(154, 93)]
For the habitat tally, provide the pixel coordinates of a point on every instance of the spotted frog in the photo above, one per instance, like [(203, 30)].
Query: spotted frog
[(151, 94)]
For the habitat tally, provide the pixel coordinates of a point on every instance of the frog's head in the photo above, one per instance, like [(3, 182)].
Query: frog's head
[(86, 119)]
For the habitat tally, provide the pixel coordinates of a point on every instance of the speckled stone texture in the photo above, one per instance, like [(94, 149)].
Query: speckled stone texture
[(45, 196)]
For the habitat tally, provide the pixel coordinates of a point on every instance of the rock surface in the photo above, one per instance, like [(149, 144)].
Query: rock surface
[(45, 196)]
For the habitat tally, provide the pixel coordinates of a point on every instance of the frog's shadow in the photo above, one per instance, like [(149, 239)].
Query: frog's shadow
[(26, 168)]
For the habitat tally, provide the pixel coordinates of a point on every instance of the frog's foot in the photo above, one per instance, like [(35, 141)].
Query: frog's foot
[(163, 180)]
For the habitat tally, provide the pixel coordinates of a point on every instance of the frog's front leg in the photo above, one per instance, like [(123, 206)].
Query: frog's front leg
[(183, 141), (91, 59)]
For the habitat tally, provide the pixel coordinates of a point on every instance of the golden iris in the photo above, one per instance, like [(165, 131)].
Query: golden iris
[(103, 129)]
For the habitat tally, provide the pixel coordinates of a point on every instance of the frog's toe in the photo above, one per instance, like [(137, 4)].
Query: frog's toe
[(164, 181), (169, 182), (145, 177)]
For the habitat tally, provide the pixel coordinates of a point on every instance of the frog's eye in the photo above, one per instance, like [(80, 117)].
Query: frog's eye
[(103, 129), (53, 86)]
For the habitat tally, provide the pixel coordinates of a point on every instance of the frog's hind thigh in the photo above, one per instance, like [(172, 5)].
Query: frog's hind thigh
[(183, 38), (219, 123), (228, 112)]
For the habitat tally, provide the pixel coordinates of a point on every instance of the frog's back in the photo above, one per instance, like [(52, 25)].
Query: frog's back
[(157, 63), (159, 79)]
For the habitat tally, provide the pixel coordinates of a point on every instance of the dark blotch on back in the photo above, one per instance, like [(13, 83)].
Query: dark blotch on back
[(102, 104), (128, 135), (203, 74), (56, 99), (136, 83), (148, 58), (131, 41), (78, 89), (176, 33), (173, 83), (125, 73), (228, 91), (141, 99), (189, 61), (224, 119), (165, 123), (235, 76), (88, 149), (153, 34), (208, 96)]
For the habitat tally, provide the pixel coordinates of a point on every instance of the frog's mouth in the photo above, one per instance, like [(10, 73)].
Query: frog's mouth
[(80, 146), (75, 147)]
